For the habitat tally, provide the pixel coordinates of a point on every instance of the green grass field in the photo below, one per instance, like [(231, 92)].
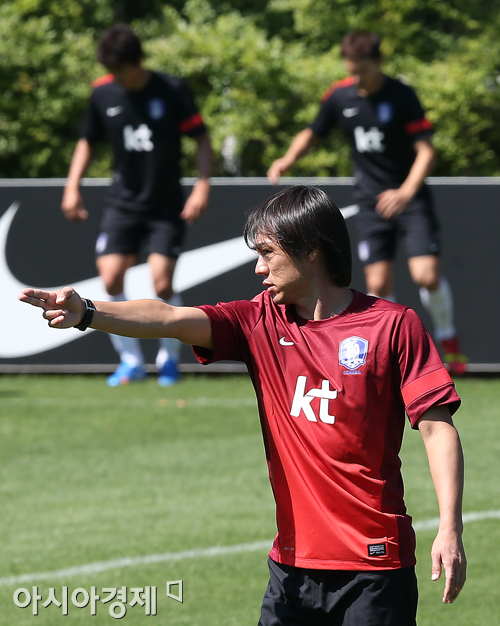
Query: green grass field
[(93, 475)]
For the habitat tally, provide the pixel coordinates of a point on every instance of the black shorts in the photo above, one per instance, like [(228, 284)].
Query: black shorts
[(124, 232), (309, 597), (417, 226)]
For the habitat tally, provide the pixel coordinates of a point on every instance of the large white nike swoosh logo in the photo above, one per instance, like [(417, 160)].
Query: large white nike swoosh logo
[(284, 342), (23, 335)]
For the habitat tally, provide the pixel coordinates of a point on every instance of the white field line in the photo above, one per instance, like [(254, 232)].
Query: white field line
[(430, 524), (103, 566)]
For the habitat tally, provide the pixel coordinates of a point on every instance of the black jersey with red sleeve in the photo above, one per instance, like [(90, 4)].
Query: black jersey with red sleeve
[(381, 129), (144, 128), (332, 396)]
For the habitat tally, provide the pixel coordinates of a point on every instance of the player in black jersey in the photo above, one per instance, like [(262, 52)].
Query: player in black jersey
[(143, 115), (390, 140)]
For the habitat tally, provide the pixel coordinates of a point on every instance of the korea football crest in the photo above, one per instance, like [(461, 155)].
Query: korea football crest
[(352, 352), (385, 111), (156, 108)]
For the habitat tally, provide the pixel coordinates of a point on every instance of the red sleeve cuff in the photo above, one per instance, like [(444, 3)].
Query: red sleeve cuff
[(190, 124), (424, 384), (418, 126), (433, 389)]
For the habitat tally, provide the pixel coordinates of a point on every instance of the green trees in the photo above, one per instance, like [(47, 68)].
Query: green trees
[(257, 68)]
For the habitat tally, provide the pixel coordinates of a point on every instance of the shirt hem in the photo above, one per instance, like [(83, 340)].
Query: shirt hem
[(334, 564)]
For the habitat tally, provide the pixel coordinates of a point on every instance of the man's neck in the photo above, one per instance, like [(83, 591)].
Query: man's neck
[(329, 302), (141, 80), (374, 86)]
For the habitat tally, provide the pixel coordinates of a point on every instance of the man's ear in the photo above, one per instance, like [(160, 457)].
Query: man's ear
[(313, 255)]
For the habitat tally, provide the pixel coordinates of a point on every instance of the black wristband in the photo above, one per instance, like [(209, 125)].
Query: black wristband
[(87, 316)]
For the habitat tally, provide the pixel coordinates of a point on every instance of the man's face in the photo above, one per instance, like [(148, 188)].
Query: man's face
[(366, 72), (286, 278)]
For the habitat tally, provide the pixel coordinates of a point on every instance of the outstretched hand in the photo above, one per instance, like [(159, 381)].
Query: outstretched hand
[(63, 308)]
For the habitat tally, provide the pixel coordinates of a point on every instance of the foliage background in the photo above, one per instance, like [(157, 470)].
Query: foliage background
[(257, 69)]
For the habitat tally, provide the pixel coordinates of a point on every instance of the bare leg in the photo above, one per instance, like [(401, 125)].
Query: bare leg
[(112, 268), (424, 271), (379, 279), (162, 269)]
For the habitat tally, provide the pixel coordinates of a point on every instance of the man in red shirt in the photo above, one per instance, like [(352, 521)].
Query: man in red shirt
[(334, 372)]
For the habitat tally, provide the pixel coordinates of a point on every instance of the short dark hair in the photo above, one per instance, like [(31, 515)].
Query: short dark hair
[(299, 220), (118, 45), (361, 44)]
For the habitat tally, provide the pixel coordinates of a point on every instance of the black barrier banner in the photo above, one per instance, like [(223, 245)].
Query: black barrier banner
[(40, 248)]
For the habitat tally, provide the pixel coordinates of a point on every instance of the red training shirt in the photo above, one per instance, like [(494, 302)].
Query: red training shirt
[(332, 396)]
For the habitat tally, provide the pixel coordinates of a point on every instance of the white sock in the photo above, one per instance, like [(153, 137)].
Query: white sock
[(439, 303), (128, 348), (169, 348)]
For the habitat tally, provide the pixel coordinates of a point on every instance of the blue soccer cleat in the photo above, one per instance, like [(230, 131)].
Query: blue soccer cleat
[(168, 373), (125, 374)]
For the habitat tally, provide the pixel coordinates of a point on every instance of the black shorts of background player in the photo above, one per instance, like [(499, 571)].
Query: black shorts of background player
[(142, 114), (390, 141), (416, 227)]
